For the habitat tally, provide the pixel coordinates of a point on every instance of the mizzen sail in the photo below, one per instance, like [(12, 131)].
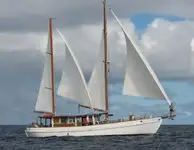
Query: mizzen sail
[(96, 82)]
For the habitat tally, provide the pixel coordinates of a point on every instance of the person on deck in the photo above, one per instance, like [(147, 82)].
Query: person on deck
[(172, 111), (85, 121)]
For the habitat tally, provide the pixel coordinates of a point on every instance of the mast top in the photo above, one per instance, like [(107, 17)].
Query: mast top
[(51, 18)]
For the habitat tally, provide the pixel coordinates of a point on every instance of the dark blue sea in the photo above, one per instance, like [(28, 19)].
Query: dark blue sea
[(175, 137)]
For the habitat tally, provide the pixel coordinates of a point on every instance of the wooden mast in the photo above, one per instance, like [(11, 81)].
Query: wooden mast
[(105, 59), (52, 65)]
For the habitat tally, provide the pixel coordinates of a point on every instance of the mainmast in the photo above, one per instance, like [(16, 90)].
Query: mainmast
[(105, 59), (52, 65)]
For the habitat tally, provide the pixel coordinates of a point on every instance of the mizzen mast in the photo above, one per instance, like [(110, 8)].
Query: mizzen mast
[(105, 58), (52, 65)]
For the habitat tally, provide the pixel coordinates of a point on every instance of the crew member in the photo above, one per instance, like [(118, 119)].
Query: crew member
[(172, 111), (85, 121)]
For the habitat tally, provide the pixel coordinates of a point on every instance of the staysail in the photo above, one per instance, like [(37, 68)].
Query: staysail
[(44, 99), (72, 84), (140, 79), (96, 82)]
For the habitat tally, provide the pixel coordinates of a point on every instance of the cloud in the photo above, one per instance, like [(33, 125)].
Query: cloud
[(32, 15), (174, 49), (84, 41), (167, 46)]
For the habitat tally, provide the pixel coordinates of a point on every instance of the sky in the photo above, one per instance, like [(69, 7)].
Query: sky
[(163, 29)]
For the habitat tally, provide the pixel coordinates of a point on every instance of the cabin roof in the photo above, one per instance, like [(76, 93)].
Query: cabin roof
[(73, 115)]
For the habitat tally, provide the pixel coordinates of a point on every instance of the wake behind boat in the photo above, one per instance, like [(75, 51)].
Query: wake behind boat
[(140, 80)]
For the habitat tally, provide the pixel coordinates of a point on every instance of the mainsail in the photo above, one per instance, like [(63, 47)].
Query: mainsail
[(140, 79), (96, 82), (44, 100), (72, 84)]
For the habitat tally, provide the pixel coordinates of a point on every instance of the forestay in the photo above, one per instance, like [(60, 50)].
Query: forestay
[(73, 84), (140, 79), (44, 100), (96, 82)]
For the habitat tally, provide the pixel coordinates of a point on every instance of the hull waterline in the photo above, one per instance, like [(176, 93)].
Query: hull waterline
[(136, 127)]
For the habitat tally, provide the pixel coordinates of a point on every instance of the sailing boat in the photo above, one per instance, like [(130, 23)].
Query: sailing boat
[(140, 80)]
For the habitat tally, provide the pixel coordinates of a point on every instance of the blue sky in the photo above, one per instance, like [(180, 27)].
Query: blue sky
[(19, 94), (141, 20)]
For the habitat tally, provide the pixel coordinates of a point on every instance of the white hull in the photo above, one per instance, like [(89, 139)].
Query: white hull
[(144, 126)]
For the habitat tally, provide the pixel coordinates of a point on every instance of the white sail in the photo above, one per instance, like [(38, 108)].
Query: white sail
[(44, 100), (72, 84), (140, 79), (97, 82)]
